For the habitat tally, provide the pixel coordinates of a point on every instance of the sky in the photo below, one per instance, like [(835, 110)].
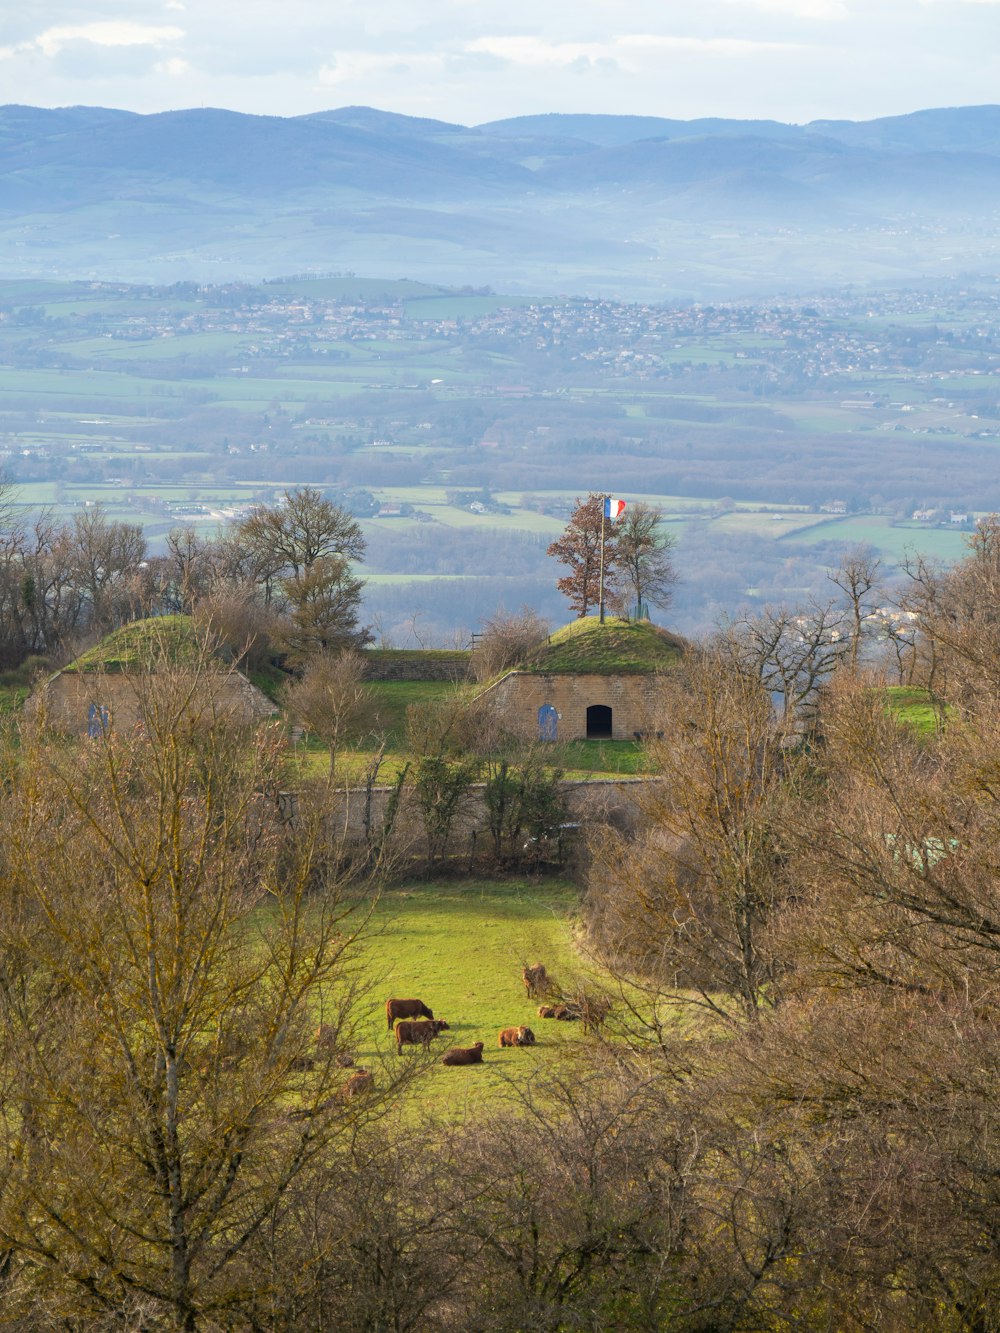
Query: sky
[(470, 61)]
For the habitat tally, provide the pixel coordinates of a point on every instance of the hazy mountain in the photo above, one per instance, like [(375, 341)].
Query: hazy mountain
[(630, 204), (610, 130)]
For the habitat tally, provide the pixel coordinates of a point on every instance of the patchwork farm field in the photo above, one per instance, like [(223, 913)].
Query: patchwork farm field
[(459, 426)]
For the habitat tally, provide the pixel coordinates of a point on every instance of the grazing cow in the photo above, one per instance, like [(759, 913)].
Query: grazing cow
[(536, 980), (362, 1080), (464, 1055), (521, 1036), (547, 1011), (410, 1033), (326, 1035), (405, 1009)]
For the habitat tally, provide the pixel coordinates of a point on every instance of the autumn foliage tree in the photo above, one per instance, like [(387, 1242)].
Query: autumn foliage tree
[(579, 548)]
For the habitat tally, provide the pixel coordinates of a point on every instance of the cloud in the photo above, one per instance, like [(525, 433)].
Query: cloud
[(113, 33), (629, 51), (173, 69), (351, 65), (802, 9)]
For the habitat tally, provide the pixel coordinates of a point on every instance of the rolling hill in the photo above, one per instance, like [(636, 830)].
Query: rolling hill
[(625, 204)]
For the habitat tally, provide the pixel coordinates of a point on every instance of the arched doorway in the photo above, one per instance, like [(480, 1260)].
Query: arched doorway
[(598, 722)]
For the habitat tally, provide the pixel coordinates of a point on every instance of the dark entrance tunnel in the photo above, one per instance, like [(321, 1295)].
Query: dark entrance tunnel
[(598, 722)]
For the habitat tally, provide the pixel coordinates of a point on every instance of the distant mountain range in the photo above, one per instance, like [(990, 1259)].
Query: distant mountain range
[(634, 205)]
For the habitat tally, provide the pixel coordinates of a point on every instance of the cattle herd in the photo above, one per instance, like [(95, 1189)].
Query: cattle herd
[(414, 1024)]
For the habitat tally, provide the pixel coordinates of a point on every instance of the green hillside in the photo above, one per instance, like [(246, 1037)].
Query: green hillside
[(618, 647)]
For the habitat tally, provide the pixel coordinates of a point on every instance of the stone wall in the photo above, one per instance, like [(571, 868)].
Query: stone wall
[(67, 699), (606, 801), (636, 702), (402, 664)]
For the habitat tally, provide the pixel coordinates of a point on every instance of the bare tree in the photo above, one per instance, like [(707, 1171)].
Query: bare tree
[(957, 614), (305, 528), (105, 556), (167, 950), (858, 576), (330, 699), (791, 652), (506, 641), (644, 555), (690, 907)]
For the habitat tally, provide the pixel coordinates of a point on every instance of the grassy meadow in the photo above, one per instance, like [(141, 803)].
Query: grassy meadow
[(459, 946)]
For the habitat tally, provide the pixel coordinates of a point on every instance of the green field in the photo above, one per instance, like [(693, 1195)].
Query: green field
[(459, 946), (890, 539)]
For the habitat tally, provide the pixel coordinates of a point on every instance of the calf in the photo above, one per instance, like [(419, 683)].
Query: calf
[(521, 1036), (422, 1032), (464, 1055), (405, 1009)]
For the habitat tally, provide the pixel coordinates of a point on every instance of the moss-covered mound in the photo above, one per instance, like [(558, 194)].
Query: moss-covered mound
[(618, 647), (143, 644)]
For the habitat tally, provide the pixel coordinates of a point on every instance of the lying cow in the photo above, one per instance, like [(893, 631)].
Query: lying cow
[(405, 1009), (521, 1036), (422, 1032), (464, 1055)]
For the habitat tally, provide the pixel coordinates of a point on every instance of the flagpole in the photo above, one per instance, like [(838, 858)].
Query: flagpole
[(601, 601)]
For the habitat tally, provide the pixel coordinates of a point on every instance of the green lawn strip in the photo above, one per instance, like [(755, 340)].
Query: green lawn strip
[(602, 758), (912, 706), (459, 945)]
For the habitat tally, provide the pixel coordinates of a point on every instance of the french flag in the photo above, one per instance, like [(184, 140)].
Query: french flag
[(613, 507)]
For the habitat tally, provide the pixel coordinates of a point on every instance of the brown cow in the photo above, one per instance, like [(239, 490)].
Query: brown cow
[(566, 1013), (464, 1055), (422, 1032), (521, 1036), (547, 1011), (405, 1009), (362, 1080), (536, 980)]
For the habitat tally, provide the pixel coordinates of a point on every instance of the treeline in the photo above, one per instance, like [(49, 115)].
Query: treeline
[(280, 579)]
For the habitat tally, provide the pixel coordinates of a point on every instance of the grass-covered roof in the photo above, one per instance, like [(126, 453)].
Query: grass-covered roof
[(618, 647), (143, 644)]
